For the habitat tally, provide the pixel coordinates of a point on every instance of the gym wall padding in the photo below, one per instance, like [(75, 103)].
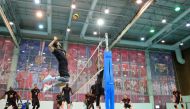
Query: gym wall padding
[(183, 73)]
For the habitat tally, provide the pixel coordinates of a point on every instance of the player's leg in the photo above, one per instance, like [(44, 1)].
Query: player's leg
[(37, 104), (182, 106), (125, 106), (14, 105), (68, 102), (33, 104), (97, 101), (7, 105), (175, 106)]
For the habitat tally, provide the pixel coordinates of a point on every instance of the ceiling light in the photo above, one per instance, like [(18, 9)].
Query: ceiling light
[(100, 22), (188, 25), (39, 14), (11, 23), (181, 44), (163, 41), (40, 26), (73, 6), (106, 11), (68, 29), (37, 1), (142, 38), (164, 21), (95, 33), (138, 1), (152, 30), (177, 8)]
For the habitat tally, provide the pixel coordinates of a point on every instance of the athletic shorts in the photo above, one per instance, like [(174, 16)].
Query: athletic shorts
[(126, 105), (35, 103), (67, 99)]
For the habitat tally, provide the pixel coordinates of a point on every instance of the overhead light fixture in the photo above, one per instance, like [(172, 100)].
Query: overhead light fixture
[(106, 11), (95, 33), (142, 38), (188, 25), (39, 14), (40, 26), (11, 23), (181, 44), (164, 21), (152, 30), (138, 1), (100, 22), (37, 1), (163, 41), (177, 8), (68, 29), (73, 6)]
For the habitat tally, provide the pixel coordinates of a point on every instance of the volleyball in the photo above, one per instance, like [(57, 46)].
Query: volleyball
[(75, 16)]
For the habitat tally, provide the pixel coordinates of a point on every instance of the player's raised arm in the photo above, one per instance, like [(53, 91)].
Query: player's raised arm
[(51, 44)]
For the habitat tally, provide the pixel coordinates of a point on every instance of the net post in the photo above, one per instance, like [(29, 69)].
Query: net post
[(106, 41)]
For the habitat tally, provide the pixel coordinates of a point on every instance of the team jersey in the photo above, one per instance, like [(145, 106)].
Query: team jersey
[(35, 93), (66, 91), (126, 100), (62, 60), (11, 96)]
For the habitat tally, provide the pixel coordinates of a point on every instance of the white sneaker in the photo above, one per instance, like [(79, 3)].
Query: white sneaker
[(47, 87), (48, 78)]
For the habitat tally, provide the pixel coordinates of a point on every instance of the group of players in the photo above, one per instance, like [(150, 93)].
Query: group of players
[(13, 98), (95, 94)]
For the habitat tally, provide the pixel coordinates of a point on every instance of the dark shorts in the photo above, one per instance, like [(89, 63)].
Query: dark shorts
[(177, 101), (35, 103), (67, 99), (126, 105), (11, 104)]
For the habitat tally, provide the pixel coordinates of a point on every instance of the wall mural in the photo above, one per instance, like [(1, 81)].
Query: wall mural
[(163, 77), (36, 62)]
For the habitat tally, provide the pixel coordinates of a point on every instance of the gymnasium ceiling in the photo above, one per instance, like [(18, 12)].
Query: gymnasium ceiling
[(57, 17)]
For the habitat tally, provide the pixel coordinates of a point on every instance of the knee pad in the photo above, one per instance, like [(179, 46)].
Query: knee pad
[(182, 106), (175, 106)]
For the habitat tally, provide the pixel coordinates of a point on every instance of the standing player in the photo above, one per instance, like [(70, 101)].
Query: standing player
[(60, 99), (35, 94), (89, 100), (97, 90), (177, 98), (126, 102), (60, 54), (67, 91), (12, 98)]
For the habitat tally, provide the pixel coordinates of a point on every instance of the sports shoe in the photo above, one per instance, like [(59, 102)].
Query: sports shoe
[(47, 87), (63, 79), (48, 78)]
